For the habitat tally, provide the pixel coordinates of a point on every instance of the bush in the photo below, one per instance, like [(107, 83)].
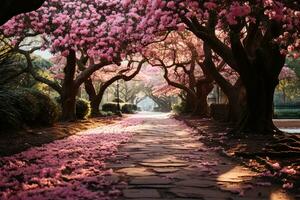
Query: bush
[(287, 113), (128, 108), (106, 114), (116, 100), (10, 116), (83, 108), (110, 107), (178, 108), (48, 109), (26, 106)]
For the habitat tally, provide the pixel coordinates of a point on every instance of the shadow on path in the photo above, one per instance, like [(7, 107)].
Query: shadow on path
[(164, 160)]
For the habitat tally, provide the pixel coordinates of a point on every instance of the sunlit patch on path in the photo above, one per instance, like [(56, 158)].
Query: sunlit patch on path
[(73, 168), (164, 160)]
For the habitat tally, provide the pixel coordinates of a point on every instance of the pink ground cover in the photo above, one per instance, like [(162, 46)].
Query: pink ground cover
[(72, 168)]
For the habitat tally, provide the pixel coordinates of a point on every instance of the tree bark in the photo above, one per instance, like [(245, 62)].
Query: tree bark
[(231, 92), (260, 78), (259, 111), (68, 104), (203, 89), (95, 104), (69, 91), (96, 101)]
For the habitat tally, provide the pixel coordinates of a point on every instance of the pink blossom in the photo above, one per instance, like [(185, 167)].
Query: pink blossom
[(288, 185), (288, 170)]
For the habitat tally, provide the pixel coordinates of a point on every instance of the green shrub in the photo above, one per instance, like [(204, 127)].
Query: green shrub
[(10, 116), (106, 114), (83, 108), (116, 100), (178, 108), (110, 107), (26, 106), (48, 110), (128, 108), (287, 113)]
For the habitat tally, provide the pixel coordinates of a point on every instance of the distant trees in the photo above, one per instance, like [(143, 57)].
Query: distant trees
[(106, 77), (189, 67), (255, 37)]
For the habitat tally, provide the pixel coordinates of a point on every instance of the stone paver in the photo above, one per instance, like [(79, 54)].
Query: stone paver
[(164, 160)]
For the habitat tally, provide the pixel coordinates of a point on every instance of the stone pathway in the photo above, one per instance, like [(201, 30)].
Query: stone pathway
[(164, 160)]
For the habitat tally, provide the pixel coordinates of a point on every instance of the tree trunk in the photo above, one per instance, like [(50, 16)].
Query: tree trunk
[(260, 67), (69, 105), (190, 104), (90, 90), (201, 108), (236, 101), (203, 89), (69, 91), (259, 111), (95, 103), (260, 83), (235, 107)]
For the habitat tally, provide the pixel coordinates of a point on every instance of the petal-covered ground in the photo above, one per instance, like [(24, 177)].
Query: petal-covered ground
[(166, 161), (163, 160), (72, 168)]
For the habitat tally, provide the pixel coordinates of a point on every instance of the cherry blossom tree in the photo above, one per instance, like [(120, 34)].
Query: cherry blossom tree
[(106, 77), (187, 66), (177, 56), (80, 30), (257, 35)]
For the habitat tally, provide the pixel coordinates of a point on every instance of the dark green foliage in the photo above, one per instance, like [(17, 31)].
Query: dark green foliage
[(26, 107), (287, 111), (27, 104), (110, 107), (106, 114), (118, 100), (10, 116), (128, 108), (178, 108), (14, 72), (48, 110), (83, 109)]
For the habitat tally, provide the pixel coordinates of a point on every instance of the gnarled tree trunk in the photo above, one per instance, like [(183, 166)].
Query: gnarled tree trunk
[(260, 78)]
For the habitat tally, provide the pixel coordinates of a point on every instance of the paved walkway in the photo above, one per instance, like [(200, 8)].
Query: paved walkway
[(159, 158), (164, 160)]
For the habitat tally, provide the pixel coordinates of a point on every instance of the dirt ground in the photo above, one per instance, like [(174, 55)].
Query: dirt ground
[(260, 152), (15, 142)]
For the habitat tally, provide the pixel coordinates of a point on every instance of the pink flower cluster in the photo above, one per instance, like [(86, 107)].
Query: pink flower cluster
[(237, 10)]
